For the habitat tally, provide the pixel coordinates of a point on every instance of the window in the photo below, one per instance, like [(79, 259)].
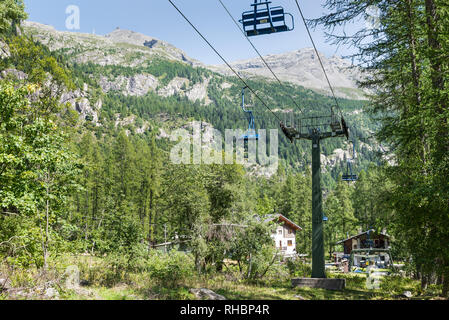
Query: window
[(290, 243), (290, 231), (280, 231), (280, 244)]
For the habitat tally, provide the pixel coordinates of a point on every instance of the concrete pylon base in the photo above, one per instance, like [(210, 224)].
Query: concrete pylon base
[(321, 283)]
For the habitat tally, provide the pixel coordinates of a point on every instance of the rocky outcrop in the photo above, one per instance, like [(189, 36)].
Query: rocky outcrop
[(79, 100), (137, 85), (5, 284), (142, 129), (4, 50), (162, 134), (199, 92), (140, 84), (117, 84), (226, 85), (206, 294), (176, 86), (336, 157), (14, 74), (181, 86), (124, 122)]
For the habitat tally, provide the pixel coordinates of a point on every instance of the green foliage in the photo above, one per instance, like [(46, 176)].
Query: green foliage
[(12, 12), (253, 248), (37, 173), (163, 69), (102, 190), (224, 112), (261, 261), (169, 270), (38, 63), (410, 84), (299, 268), (397, 285)]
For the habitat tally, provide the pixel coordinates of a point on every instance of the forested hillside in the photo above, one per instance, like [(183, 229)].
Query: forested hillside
[(85, 168), (143, 86)]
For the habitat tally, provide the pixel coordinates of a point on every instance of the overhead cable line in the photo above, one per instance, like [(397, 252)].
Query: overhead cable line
[(318, 55), (257, 51), (224, 60)]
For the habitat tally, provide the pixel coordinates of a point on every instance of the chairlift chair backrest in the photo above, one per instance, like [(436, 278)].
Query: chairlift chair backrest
[(349, 176), (250, 134), (264, 19)]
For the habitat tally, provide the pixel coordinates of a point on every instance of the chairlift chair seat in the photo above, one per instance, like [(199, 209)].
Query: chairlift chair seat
[(265, 20), (349, 177), (249, 136)]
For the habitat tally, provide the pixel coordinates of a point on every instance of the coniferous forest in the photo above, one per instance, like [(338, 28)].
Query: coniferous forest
[(106, 200)]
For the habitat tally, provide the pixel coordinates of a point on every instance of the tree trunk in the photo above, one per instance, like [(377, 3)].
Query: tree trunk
[(250, 265), (432, 39), (424, 281), (412, 44), (47, 210), (445, 291), (86, 214), (150, 220)]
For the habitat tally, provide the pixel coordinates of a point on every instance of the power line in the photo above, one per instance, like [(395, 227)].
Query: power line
[(224, 60), (257, 51), (318, 55)]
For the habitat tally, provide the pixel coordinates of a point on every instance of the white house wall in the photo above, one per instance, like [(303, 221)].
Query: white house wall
[(279, 237)]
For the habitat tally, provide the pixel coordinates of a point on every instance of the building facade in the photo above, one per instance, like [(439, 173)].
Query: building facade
[(284, 236)]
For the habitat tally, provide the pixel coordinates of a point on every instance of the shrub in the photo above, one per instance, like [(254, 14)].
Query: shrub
[(278, 273), (170, 269), (262, 261), (298, 268)]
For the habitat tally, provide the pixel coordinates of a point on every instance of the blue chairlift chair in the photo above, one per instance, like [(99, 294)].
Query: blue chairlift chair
[(263, 19), (250, 134)]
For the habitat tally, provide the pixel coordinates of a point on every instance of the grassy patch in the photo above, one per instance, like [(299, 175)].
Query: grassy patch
[(276, 285)]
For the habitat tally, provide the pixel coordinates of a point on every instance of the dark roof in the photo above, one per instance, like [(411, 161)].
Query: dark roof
[(358, 235)]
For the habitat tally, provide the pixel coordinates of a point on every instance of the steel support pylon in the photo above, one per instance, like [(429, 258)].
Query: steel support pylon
[(316, 135), (318, 268)]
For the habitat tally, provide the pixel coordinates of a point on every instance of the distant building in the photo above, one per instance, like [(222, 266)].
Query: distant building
[(365, 240), (285, 234)]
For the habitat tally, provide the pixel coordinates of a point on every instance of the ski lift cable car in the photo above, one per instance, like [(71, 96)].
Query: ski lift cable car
[(250, 134), (263, 19), (350, 176)]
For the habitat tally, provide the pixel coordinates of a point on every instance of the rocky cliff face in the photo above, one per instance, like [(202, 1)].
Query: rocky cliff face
[(302, 67), (137, 85), (79, 99)]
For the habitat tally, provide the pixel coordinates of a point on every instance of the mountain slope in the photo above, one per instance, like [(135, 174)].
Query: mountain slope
[(302, 67), (123, 47), (146, 86), (133, 49)]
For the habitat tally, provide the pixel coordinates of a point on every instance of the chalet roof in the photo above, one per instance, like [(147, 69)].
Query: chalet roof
[(362, 233), (281, 218)]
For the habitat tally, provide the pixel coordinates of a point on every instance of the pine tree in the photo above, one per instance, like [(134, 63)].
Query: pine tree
[(404, 56)]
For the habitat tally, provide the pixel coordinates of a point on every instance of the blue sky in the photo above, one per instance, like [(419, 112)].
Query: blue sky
[(157, 18)]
